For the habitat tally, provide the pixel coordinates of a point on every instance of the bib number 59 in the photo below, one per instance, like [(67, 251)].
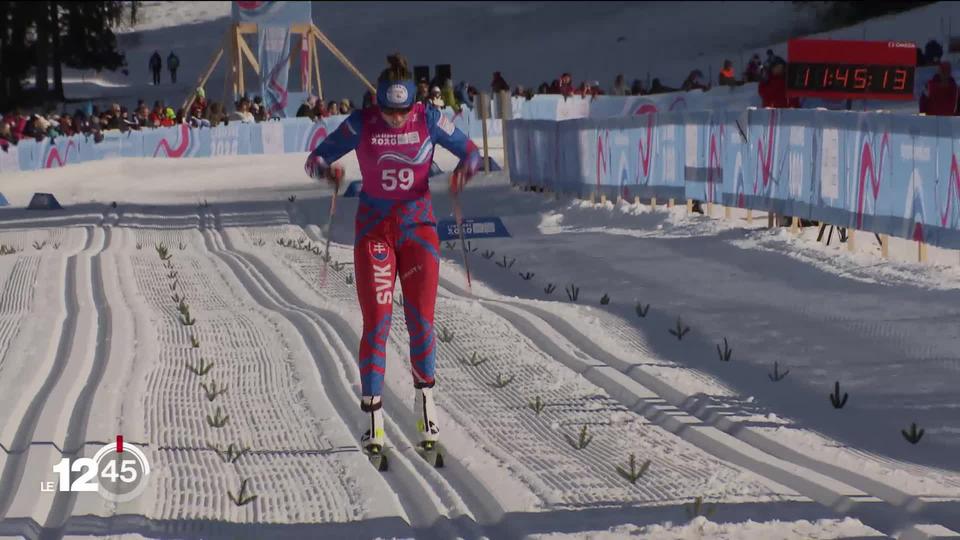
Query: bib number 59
[(393, 178)]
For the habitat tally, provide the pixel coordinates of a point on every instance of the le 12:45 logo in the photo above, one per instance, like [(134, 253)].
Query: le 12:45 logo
[(118, 472)]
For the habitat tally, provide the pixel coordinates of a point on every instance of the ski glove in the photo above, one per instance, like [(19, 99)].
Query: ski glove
[(464, 172), (318, 169)]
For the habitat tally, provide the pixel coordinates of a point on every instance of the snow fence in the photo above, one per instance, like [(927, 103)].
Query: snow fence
[(301, 134), (883, 173), (273, 137)]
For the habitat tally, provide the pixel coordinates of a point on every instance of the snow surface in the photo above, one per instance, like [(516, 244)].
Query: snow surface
[(91, 344), (775, 459), (529, 42), (702, 527)]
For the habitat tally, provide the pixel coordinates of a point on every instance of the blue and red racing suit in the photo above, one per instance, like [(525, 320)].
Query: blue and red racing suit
[(396, 229)]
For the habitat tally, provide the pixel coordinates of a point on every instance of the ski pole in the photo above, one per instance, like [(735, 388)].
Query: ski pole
[(326, 232), (458, 214)]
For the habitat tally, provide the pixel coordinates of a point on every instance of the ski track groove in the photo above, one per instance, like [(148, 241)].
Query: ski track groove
[(238, 340), (698, 404), (415, 472), (634, 341), (19, 449), (625, 333), (18, 290), (16, 300), (420, 515), (74, 442), (206, 291), (891, 496), (589, 484)]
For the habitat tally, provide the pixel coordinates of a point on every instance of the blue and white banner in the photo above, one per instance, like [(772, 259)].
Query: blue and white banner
[(274, 58), (882, 173)]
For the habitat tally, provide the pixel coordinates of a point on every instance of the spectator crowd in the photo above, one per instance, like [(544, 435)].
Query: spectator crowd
[(92, 121), (940, 97)]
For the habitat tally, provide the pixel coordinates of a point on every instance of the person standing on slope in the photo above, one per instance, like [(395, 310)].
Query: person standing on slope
[(395, 231)]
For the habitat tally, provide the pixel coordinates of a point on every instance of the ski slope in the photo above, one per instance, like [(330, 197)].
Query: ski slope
[(93, 346), (529, 42)]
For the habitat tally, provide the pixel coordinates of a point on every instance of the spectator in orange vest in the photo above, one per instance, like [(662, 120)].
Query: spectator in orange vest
[(727, 77)]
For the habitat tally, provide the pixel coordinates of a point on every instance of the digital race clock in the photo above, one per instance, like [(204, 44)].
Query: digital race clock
[(832, 69)]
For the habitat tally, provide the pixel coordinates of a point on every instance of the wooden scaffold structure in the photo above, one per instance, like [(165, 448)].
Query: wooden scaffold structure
[(235, 47)]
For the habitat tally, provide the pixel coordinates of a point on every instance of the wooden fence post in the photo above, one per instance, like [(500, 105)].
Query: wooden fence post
[(484, 116)]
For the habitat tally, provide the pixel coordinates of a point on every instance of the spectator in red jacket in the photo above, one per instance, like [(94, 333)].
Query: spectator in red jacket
[(939, 98), (773, 89), (156, 116)]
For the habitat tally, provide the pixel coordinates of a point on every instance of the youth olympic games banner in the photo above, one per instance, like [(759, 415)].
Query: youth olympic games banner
[(882, 173), (272, 13), (274, 58)]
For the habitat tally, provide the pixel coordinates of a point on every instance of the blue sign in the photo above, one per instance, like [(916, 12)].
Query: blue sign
[(481, 227)]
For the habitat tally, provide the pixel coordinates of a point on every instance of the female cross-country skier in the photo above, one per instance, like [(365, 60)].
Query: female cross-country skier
[(395, 231)]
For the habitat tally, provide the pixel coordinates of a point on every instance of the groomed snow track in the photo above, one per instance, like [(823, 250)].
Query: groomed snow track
[(250, 295)]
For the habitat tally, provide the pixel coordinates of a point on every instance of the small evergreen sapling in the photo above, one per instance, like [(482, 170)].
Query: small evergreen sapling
[(218, 420), (445, 336), (726, 352), (681, 330), (776, 376), (503, 382), (243, 497), (914, 435), (201, 369), (633, 473), (537, 405), (835, 398), (212, 392), (580, 442)]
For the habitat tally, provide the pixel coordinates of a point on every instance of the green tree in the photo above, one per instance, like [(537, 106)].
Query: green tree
[(45, 35)]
